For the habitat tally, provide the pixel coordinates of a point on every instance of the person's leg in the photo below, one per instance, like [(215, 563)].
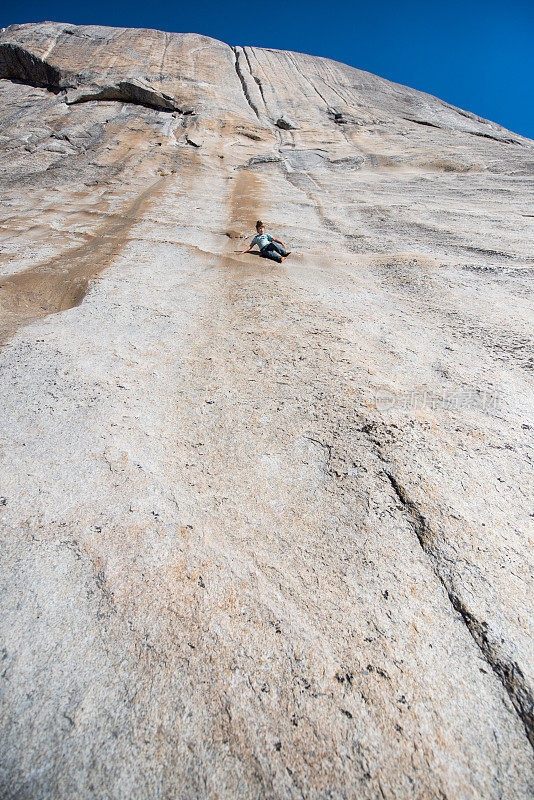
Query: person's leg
[(270, 251), (278, 248)]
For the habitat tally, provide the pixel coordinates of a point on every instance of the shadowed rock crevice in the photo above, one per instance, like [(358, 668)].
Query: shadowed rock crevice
[(423, 122), (509, 674), (242, 80), (127, 92), (18, 64), (257, 80)]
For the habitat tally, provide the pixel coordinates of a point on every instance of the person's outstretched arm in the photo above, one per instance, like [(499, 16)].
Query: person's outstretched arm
[(279, 242), (249, 248)]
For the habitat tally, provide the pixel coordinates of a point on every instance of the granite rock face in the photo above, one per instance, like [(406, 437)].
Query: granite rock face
[(265, 528)]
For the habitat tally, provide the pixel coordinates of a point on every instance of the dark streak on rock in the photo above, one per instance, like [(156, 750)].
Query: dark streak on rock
[(129, 92), (423, 122), (256, 79), (502, 140), (509, 673), (243, 83)]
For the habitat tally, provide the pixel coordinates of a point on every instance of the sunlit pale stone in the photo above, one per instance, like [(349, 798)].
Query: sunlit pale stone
[(264, 526)]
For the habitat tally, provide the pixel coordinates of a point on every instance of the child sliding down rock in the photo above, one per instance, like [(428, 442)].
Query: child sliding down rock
[(269, 247)]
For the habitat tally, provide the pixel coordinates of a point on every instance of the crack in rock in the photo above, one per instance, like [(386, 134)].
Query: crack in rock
[(423, 122), (128, 92), (501, 139), (243, 82), (509, 673)]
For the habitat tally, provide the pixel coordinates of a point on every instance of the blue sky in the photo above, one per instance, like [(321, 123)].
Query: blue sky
[(476, 54)]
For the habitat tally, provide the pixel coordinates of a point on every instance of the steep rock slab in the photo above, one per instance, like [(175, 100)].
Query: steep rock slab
[(265, 527)]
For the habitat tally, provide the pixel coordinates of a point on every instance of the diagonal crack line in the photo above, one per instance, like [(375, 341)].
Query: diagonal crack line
[(244, 83), (509, 673), (256, 79), (314, 87), (326, 447), (343, 99)]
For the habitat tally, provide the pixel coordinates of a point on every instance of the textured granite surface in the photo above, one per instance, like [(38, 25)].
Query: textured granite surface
[(265, 528)]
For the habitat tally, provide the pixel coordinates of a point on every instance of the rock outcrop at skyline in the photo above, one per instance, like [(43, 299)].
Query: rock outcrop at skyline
[(265, 528)]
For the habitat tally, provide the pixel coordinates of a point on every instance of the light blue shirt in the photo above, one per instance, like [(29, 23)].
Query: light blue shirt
[(261, 240)]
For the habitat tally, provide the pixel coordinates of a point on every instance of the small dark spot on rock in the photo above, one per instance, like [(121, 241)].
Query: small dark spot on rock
[(347, 713), (278, 746), (382, 673), (285, 124), (342, 677), (252, 136), (201, 582)]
